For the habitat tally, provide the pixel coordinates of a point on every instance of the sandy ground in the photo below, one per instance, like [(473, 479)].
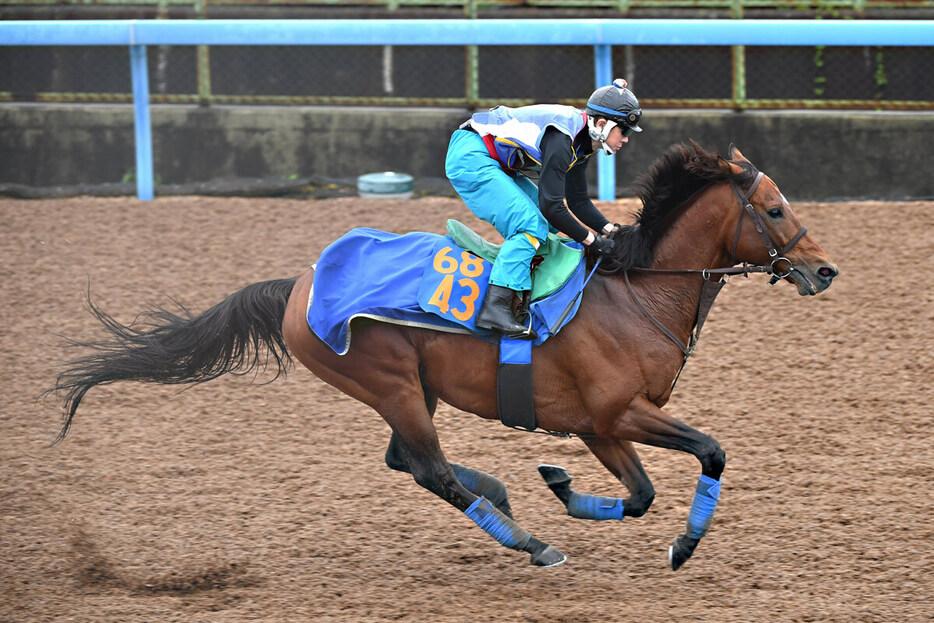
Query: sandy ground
[(235, 501)]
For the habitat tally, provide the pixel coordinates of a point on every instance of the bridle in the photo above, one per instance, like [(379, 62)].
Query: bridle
[(777, 255), (711, 288)]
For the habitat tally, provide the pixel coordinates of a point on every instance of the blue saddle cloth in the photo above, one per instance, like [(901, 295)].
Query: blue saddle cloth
[(416, 279)]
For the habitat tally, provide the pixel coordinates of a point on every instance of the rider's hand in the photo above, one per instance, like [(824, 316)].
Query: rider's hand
[(603, 247)]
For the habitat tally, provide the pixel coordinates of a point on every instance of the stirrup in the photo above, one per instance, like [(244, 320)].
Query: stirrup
[(525, 333), (528, 334)]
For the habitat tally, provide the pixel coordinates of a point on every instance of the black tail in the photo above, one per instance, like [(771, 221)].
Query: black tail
[(171, 348)]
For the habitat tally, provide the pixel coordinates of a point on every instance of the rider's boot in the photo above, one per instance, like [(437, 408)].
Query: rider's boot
[(496, 314)]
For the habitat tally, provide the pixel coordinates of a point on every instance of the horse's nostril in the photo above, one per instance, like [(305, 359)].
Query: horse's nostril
[(827, 272)]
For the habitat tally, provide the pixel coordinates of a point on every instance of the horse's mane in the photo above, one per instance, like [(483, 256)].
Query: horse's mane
[(677, 176)]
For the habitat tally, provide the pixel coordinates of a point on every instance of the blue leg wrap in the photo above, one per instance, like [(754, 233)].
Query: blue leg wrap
[(497, 525), (585, 506), (481, 483), (705, 502)]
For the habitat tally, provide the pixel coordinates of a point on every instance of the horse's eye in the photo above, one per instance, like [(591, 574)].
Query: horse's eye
[(776, 213)]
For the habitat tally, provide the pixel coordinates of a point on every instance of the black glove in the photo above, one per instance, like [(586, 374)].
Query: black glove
[(603, 247)]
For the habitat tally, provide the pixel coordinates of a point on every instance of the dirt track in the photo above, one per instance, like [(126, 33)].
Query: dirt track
[(235, 502)]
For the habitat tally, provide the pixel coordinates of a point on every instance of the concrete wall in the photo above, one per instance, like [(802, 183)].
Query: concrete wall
[(811, 155)]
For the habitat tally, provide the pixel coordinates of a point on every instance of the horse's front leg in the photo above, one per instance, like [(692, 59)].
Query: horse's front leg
[(644, 422), (621, 459)]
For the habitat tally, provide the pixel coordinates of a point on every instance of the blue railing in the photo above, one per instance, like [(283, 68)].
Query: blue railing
[(602, 34)]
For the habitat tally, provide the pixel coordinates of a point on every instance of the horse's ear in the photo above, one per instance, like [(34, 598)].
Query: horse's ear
[(736, 154), (728, 167)]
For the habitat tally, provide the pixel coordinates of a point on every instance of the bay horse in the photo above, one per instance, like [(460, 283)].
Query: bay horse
[(604, 378)]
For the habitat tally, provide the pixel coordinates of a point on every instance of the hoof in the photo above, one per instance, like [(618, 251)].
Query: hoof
[(553, 474), (681, 550), (548, 557)]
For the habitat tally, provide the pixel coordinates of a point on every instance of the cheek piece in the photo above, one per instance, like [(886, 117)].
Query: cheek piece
[(601, 135)]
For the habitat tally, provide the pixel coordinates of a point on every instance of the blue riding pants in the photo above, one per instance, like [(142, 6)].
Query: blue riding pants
[(508, 202)]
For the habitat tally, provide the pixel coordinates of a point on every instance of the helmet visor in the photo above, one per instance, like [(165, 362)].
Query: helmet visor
[(630, 123)]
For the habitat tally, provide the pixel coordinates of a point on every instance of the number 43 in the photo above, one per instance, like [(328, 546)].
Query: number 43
[(470, 267)]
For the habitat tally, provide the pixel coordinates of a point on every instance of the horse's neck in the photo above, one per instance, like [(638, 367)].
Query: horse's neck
[(696, 240)]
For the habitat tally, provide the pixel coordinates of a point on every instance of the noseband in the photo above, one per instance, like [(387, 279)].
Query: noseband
[(777, 255)]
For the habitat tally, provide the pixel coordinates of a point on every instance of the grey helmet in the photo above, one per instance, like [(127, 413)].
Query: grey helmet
[(619, 106)]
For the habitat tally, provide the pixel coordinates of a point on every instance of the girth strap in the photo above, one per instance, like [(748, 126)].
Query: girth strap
[(514, 393)]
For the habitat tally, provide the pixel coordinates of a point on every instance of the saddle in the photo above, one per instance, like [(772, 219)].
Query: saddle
[(410, 280), (424, 280), (554, 264)]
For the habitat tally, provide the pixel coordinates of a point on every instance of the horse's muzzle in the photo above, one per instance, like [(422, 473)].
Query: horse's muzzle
[(811, 281)]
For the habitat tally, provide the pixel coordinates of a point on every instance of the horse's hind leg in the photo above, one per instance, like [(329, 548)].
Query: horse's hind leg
[(381, 370), (477, 482), (486, 485), (623, 462), (395, 453), (418, 440)]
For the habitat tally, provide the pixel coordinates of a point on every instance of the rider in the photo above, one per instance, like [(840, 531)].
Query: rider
[(490, 160)]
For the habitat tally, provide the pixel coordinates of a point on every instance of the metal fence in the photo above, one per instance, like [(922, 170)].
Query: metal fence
[(603, 35), (669, 76)]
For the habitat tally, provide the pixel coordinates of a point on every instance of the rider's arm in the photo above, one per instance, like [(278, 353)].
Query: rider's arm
[(556, 158), (579, 201)]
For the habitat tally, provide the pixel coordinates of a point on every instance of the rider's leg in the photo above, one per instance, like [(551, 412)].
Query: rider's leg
[(510, 274), (509, 205)]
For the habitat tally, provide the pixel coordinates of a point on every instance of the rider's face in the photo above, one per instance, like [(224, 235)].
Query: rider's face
[(615, 140)]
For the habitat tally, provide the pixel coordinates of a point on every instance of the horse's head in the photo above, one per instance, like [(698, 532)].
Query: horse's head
[(769, 233)]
